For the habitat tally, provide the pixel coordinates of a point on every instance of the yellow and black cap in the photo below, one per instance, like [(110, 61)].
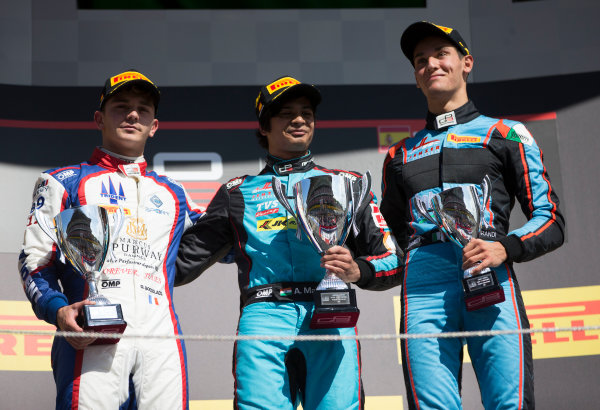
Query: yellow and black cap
[(418, 31), (115, 84), (271, 94)]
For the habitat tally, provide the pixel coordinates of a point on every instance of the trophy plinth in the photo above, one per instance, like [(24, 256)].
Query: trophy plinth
[(458, 213), (334, 308), (482, 290), (325, 208), (83, 236)]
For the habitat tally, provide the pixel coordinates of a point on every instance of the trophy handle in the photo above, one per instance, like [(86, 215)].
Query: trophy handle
[(422, 209), (45, 226), (51, 232), (278, 190), (486, 191), (118, 219), (365, 188)]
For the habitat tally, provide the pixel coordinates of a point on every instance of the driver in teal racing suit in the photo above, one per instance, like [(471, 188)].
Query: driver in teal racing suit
[(460, 146), (278, 273)]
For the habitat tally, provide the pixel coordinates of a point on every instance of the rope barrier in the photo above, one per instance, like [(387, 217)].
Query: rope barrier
[(233, 338)]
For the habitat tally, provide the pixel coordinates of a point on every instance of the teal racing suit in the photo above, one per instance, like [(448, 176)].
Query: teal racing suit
[(457, 148), (277, 275)]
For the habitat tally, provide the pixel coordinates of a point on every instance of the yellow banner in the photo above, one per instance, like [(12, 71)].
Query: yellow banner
[(554, 308), (23, 352)]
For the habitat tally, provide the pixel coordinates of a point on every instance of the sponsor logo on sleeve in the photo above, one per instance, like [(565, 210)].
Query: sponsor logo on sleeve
[(520, 134), (61, 176), (233, 183), (377, 216)]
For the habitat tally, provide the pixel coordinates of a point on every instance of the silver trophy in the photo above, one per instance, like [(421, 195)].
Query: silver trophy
[(458, 212), (325, 208), (83, 236)]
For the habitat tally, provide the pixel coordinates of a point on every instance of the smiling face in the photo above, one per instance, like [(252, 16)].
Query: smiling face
[(292, 129), (441, 73), (127, 121)]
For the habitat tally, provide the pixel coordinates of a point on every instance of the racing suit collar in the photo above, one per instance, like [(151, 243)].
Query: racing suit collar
[(287, 166), (461, 115), (108, 161)]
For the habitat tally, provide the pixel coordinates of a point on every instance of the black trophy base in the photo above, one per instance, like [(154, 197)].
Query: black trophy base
[(482, 290), (103, 319), (334, 308)]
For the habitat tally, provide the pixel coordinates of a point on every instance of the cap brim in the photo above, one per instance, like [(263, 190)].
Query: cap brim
[(295, 91), (415, 33), (138, 82)]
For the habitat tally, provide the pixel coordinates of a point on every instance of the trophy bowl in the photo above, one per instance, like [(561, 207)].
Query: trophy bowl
[(325, 209), (458, 212), (83, 236)]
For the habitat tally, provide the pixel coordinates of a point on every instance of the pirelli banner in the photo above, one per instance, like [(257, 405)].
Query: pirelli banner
[(206, 137)]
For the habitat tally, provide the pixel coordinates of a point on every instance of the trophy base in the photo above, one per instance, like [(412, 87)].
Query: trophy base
[(103, 319), (482, 290), (334, 308)]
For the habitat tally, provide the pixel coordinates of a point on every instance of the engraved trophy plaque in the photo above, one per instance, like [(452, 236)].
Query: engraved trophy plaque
[(83, 236), (325, 209), (458, 212)]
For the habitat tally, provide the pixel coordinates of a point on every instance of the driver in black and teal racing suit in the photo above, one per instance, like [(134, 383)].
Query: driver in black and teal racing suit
[(277, 273)]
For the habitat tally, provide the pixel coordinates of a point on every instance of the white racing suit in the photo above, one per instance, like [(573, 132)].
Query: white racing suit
[(138, 275)]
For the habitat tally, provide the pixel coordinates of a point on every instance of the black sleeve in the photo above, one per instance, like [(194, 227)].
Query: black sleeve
[(394, 204), (375, 250), (207, 241)]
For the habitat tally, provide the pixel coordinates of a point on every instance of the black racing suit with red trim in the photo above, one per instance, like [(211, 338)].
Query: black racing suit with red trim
[(281, 272), (457, 148)]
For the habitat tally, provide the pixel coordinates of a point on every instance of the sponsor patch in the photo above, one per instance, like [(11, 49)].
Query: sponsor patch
[(136, 228), (446, 119), (283, 82), (130, 169), (520, 134), (388, 242), (110, 284), (267, 212), (377, 216), (276, 224), (128, 76), (423, 149), (462, 139), (112, 209), (111, 192), (264, 293), (40, 188), (61, 176), (233, 183), (156, 201)]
